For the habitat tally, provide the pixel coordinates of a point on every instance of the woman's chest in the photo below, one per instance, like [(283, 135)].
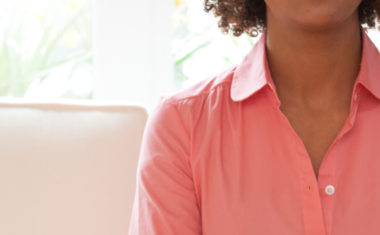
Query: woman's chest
[(253, 176), (246, 188)]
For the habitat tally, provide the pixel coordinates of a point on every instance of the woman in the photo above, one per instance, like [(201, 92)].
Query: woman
[(286, 142)]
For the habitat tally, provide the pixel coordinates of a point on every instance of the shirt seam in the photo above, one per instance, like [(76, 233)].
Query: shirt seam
[(194, 96), (189, 163), (184, 127)]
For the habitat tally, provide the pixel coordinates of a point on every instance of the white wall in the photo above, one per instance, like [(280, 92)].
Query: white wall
[(132, 46)]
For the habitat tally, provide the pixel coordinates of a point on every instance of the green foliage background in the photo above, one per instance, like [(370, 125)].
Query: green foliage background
[(34, 43)]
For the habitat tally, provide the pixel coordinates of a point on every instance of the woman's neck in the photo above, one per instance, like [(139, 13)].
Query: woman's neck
[(313, 65)]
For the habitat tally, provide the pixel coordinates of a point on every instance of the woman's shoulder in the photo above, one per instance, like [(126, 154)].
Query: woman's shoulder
[(188, 104), (205, 87)]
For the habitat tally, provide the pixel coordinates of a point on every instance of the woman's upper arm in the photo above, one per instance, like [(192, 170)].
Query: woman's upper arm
[(165, 202)]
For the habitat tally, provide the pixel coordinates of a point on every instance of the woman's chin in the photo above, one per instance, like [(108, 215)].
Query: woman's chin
[(320, 21)]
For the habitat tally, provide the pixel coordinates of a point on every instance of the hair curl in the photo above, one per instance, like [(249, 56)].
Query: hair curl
[(249, 16)]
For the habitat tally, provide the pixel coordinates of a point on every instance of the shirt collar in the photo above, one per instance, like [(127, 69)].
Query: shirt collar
[(253, 72)]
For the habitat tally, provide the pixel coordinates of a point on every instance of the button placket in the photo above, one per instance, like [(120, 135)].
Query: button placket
[(326, 187), (311, 200)]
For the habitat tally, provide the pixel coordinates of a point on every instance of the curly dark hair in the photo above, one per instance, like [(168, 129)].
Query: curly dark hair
[(249, 16)]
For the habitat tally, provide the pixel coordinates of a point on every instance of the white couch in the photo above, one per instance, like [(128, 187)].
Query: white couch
[(68, 167)]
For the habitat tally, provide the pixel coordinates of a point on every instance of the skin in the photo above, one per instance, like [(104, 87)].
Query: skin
[(314, 54)]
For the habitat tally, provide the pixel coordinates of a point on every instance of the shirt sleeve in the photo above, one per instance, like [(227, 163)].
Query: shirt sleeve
[(165, 202)]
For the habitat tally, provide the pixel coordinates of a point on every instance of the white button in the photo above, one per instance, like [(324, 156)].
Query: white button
[(355, 97), (329, 190)]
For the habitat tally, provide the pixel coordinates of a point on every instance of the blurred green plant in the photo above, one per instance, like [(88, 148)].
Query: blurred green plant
[(34, 42), (186, 45), (180, 57), (190, 43)]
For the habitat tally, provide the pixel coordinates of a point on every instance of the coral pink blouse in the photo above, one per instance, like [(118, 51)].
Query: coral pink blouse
[(220, 158)]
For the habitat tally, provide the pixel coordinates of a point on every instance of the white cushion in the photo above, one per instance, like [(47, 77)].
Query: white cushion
[(68, 167)]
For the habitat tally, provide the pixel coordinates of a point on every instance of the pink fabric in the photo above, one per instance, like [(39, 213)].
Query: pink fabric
[(220, 158)]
